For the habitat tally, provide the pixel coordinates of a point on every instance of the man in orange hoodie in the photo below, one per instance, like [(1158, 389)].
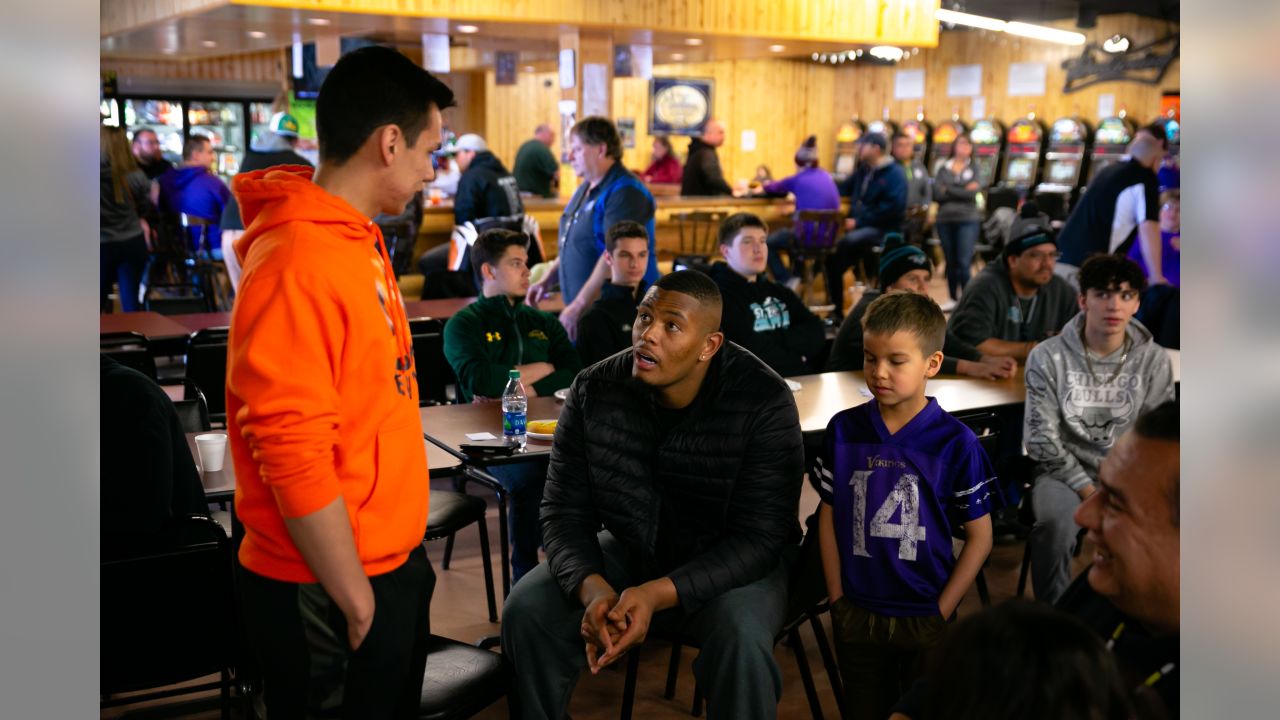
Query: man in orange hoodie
[(322, 405)]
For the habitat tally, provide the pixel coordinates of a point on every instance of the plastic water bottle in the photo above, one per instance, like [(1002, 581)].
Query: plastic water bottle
[(515, 406)]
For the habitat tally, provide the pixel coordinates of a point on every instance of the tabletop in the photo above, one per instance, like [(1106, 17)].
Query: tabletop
[(447, 426), (221, 485), (151, 324)]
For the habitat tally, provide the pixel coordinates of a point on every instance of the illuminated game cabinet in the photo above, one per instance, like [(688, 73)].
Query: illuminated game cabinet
[(1068, 144), (988, 141), (943, 136), (846, 158), (920, 132), (1110, 142), (1022, 158), (885, 127)]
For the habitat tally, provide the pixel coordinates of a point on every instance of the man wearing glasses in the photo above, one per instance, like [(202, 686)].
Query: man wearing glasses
[(1016, 302)]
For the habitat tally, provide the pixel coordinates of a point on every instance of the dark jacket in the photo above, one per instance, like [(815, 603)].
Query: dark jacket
[(489, 337), (256, 160), (605, 328), (535, 168), (769, 320), (956, 202), (118, 221), (155, 169), (877, 196), (702, 173), (846, 351), (986, 310), (709, 502), (486, 190)]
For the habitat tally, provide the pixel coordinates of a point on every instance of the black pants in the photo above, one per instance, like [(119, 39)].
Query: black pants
[(879, 656), (309, 670), (121, 263)]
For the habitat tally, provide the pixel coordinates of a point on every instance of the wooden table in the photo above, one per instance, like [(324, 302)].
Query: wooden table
[(447, 426), (151, 324), (821, 396), (220, 486), (195, 322)]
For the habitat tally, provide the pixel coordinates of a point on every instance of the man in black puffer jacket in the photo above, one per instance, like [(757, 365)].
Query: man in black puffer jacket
[(687, 449)]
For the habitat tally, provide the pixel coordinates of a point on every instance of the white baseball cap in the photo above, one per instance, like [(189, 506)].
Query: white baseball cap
[(472, 142)]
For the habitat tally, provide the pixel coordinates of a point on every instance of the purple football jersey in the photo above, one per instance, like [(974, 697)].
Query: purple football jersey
[(897, 499)]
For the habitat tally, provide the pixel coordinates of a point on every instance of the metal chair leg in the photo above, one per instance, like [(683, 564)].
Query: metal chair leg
[(984, 596), (448, 553), (828, 661), (487, 563), (673, 671), (1026, 566), (806, 676), (696, 710), (629, 685)]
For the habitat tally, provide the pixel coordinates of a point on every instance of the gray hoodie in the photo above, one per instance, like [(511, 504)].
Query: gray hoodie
[(1074, 417)]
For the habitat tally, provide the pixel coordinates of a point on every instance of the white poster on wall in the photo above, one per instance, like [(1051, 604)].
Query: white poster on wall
[(435, 52), (1106, 105), (908, 85), (979, 109), (1026, 78), (964, 80), (568, 70), (642, 61), (748, 143), (595, 90)]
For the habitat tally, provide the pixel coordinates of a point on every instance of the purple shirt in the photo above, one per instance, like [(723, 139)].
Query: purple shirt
[(813, 187), (1170, 258), (897, 500)]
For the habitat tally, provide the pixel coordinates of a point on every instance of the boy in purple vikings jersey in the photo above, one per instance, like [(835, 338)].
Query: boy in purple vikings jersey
[(898, 478)]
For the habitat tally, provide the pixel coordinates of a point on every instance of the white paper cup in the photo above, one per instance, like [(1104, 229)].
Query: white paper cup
[(212, 448)]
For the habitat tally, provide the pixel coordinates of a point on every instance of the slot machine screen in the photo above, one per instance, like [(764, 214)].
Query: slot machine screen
[(1062, 172), (845, 164), (1020, 170)]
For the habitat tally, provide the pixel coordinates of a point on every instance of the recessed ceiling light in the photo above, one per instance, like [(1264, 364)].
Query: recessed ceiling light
[(468, 29), (677, 56), (529, 68), (319, 21), (1116, 44), (814, 56), (693, 41), (209, 43), (257, 34), (777, 48), (887, 52)]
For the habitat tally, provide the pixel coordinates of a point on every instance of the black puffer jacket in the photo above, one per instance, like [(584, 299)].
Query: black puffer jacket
[(709, 503)]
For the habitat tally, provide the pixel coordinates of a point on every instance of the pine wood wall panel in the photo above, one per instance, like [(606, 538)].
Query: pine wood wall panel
[(260, 67)]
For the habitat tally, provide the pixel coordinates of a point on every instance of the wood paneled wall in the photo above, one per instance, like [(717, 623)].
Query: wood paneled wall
[(891, 21), (121, 15), (260, 67), (867, 91)]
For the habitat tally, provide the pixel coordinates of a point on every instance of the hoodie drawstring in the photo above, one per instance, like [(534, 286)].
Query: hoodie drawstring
[(395, 303)]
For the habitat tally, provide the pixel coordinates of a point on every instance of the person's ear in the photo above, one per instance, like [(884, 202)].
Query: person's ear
[(711, 345), (933, 364), (488, 272), (1080, 301), (388, 138), (608, 259)]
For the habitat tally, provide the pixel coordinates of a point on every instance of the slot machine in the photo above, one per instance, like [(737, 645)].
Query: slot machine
[(943, 136), (1064, 161), (885, 127), (1171, 167), (920, 132), (1110, 142), (988, 140), (846, 158), (1025, 147)]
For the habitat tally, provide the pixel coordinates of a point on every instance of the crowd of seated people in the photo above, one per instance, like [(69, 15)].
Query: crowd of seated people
[(670, 502)]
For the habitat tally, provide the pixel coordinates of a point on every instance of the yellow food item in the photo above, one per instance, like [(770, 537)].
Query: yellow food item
[(546, 427)]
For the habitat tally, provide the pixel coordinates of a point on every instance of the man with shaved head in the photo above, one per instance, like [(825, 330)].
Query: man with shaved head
[(687, 450), (1122, 207), (536, 169), (702, 173)]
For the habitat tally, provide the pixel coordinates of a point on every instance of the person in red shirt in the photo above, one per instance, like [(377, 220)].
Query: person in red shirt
[(665, 167)]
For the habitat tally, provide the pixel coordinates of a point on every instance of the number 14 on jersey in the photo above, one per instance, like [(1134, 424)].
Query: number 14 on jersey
[(907, 531)]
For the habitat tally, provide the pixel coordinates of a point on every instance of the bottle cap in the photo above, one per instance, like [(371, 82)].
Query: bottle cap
[(513, 374)]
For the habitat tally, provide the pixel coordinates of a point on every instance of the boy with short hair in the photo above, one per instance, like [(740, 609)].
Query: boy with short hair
[(606, 327), (761, 315), (1085, 387), (897, 476)]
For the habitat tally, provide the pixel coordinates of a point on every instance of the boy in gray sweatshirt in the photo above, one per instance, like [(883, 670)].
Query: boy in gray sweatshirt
[(1085, 387)]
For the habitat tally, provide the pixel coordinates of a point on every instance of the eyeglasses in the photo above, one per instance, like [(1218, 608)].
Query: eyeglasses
[(1038, 256), (435, 161)]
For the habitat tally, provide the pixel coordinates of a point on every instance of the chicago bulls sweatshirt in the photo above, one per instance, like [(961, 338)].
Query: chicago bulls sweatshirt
[(1074, 416)]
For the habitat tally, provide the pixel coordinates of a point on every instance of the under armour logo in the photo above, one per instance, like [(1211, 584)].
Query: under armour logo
[(493, 336)]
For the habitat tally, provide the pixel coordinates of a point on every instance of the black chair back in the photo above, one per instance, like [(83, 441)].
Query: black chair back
[(193, 414), (435, 375), (130, 349), (207, 368), (168, 612)]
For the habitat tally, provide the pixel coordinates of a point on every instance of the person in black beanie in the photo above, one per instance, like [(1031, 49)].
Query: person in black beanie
[(906, 268)]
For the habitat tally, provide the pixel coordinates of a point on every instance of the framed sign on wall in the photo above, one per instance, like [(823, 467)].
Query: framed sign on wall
[(679, 106)]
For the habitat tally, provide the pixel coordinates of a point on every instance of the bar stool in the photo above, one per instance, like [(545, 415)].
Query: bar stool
[(698, 233)]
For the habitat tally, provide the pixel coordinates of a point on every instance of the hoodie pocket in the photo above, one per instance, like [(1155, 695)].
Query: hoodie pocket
[(393, 518)]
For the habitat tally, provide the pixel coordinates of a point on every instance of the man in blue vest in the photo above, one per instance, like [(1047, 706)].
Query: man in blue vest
[(608, 194)]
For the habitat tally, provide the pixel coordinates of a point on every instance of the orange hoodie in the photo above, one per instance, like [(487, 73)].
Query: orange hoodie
[(322, 394)]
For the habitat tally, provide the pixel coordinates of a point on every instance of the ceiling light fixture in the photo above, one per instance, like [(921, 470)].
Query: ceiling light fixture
[(814, 56), (209, 43), (1048, 34), (467, 29), (529, 68), (319, 21), (777, 48), (677, 56), (1116, 44), (257, 34), (959, 18), (694, 42), (888, 53)]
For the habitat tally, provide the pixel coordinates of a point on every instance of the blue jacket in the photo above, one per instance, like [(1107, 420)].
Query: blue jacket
[(877, 196)]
